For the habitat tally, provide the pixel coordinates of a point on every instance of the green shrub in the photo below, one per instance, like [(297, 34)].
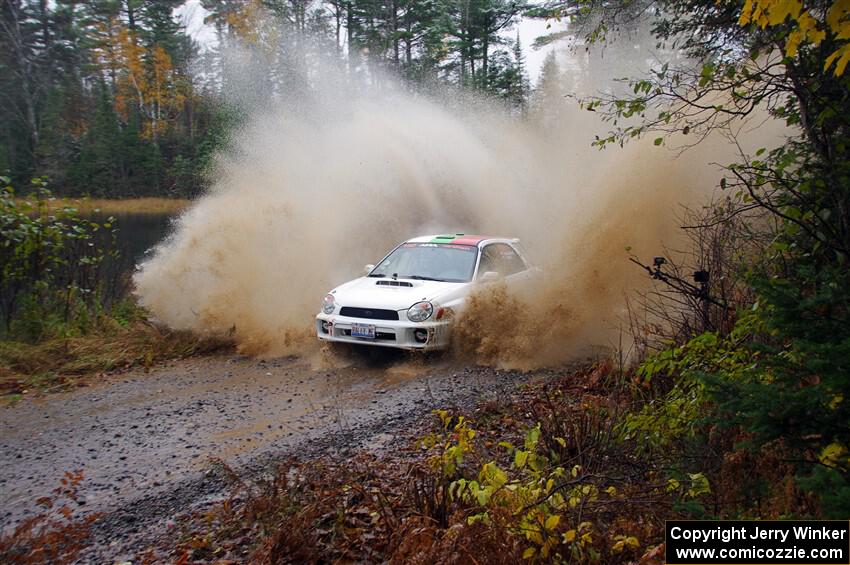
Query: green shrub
[(51, 265)]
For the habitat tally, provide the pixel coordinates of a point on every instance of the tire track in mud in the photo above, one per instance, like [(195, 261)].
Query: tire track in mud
[(146, 443)]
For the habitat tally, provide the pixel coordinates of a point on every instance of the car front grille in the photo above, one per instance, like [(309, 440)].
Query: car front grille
[(368, 313)]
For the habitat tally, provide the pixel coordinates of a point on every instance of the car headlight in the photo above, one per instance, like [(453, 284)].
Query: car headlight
[(328, 304), (420, 312)]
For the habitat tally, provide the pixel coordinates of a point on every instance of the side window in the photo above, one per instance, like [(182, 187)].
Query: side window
[(511, 262), (500, 258)]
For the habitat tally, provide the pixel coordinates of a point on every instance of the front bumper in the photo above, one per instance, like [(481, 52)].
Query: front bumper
[(388, 333)]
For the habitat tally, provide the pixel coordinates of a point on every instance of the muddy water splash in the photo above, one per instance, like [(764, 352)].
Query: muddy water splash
[(323, 183)]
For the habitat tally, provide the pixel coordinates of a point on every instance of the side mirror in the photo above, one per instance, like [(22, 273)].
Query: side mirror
[(369, 268), (489, 277)]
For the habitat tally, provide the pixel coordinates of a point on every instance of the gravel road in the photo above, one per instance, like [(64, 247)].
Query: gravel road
[(146, 441)]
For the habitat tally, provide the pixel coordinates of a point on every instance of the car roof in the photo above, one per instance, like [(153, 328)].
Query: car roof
[(457, 239)]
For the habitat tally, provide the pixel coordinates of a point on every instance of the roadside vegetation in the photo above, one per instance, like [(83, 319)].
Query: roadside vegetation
[(64, 314), (762, 361), (54, 536)]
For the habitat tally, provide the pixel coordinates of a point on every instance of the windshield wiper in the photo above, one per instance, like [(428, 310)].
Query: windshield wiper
[(421, 278), (377, 275)]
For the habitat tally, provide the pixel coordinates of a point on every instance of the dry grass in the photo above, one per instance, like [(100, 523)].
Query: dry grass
[(56, 535), (126, 206), (61, 362)]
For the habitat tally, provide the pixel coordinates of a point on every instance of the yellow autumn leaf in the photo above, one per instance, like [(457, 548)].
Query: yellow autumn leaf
[(625, 542), (552, 522), (569, 536), (779, 11), (520, 458), (810, 28), (838, 19), (746, 13), (618, 547), (842, 56), (833, 454)]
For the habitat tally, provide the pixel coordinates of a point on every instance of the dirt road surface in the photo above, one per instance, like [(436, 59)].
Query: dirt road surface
[(146, 442)]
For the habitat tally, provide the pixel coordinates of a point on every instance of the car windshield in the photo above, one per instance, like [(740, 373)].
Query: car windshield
[(429, 261)]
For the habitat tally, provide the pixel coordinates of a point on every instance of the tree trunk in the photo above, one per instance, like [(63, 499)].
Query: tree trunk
[(338, 21), (408, 42), (349, 26), (131, 18), (394, 8), (44, 16), (12, 29), (485, 61)]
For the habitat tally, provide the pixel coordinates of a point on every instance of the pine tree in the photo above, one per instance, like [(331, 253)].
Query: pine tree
[(520, 87), (548, 99)]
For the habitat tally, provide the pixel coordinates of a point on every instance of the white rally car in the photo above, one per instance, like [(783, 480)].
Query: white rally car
[(411, 297)]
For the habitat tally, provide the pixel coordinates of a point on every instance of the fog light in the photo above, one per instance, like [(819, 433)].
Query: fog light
[(324, 327), (420, 335)]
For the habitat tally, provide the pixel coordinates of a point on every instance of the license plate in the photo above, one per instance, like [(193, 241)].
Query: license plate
[(363, 330)]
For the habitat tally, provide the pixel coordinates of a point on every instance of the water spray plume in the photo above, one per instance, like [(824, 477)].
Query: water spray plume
[(332, 177)]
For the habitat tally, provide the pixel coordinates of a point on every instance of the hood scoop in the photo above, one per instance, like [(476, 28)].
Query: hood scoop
[(394, 283)]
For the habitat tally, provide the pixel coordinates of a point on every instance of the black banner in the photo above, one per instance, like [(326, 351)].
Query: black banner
[(741, 542)]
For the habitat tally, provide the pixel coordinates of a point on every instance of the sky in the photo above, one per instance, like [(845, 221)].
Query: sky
[(192, 14)]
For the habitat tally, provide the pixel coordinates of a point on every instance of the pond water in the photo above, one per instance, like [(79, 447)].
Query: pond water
[(135, 235)]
